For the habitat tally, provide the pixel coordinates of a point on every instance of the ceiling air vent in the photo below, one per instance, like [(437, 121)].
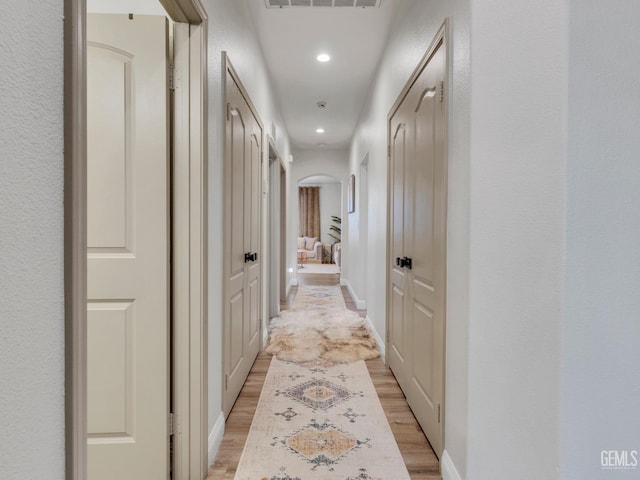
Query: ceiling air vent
[(322, 3)]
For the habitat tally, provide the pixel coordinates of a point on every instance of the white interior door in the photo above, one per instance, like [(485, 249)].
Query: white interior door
[(400, 150), (243, 167), (418, 190), (426, 246), (128, 247)]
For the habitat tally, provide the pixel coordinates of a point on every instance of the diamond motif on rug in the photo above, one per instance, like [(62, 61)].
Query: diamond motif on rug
[(319, 394), (288, 414), (322, 444), (319, 295), (363, 475), (282, 476)]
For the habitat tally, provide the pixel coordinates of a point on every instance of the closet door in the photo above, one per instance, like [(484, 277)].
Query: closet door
[(426, 246), (417, 276), (128, 319), (399, 329), (242, 198)]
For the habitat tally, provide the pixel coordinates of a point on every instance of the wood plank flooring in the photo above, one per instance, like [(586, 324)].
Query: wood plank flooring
[(420, 459)]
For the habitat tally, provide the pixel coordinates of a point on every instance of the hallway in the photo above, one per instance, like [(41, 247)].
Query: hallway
[(542, 272), (418, 456)]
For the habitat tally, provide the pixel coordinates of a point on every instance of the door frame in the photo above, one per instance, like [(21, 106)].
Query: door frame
[(276, 252), (441, 37), (189, 233)]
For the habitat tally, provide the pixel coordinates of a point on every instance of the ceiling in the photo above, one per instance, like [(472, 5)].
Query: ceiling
[(292, 37)]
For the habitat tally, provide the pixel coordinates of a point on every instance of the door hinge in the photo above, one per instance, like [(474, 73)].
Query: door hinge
[(441, 92), (172, 426), (388, 151), (226, 382), (171, 72), (438, 413)]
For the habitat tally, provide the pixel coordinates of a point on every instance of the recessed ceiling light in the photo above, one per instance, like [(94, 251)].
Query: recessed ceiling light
[(323, 57), (319, 130)]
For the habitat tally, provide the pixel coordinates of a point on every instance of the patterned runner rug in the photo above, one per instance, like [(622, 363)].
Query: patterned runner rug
[(319, 298), (320, 420), (319, 268)]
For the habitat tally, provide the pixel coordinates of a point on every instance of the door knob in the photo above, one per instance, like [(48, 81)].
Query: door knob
[(407, 262), (399, 262), (247, 257)]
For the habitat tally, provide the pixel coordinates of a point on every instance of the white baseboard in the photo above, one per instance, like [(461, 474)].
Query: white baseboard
[(215, 438), (377, 336), (449, 471), (360, 304)]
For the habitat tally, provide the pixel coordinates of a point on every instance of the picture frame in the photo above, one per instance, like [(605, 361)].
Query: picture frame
[(351, 194)]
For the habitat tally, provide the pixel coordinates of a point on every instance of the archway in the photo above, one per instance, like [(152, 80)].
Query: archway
[(317, 239)]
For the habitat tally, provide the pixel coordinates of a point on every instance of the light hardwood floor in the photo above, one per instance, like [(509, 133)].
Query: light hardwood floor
[(421, 462)]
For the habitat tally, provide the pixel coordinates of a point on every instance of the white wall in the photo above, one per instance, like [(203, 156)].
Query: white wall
[(307, 163), (330, 205), (519, 58), (231, 29), (601, 333), (31, 237), (412, 32), (140, 7)]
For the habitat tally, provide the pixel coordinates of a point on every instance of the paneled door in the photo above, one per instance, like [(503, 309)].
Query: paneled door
[(417, 276), (243, 205), (128, 248)]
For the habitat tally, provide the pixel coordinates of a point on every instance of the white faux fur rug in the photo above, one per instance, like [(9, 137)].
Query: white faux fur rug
[(319, 326), (338, 336)]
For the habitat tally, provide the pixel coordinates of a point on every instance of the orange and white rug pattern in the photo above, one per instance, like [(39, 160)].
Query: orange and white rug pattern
[(320, 420)]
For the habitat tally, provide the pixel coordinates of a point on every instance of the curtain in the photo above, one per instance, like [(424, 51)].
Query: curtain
[(309, 211)]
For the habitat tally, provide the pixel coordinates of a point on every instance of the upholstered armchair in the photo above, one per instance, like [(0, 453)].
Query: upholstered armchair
[(309, 250)]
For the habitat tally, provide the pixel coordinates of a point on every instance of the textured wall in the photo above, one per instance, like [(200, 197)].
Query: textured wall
[(601, 334), (231, 29), (411, 33), (31, 238), (519, 55)]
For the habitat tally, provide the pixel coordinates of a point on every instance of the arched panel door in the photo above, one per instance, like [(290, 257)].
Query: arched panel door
[(127, 247), (417, 273), (242, 238)]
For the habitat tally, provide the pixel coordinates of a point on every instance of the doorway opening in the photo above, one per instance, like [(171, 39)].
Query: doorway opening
[(363, 225), (319, 225), (277, 221)]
